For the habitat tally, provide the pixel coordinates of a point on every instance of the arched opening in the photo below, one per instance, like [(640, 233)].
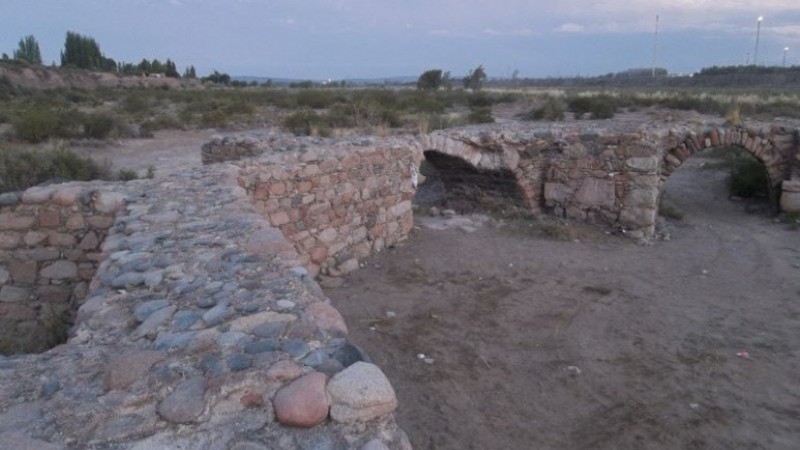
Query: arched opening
[(453, 183), (720, 181)]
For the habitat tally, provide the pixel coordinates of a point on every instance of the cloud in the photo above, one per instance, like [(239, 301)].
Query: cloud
[(570, 28), (514, 32), (788, 31)]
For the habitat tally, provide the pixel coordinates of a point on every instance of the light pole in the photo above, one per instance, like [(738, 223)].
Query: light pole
[(785, 51), (758, 36)]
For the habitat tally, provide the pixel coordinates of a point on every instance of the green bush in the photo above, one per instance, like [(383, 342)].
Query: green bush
[(98, 125), (315, 98), (23, 168), (749, 179), (135, 104), (215, 118), (420, 102), (551, 110), (667, 208), (159, 122), (479, 100), (239, 106), (303, 122), (599, 106), (126, 174), (37, 124), (340, 116), (480, 115)]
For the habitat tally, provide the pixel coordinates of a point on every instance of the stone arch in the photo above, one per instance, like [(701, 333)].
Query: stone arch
[(760, 146), (484, 160), (764, 146), (469, 188)]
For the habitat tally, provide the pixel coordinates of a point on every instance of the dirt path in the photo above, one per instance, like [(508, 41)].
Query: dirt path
[(538, 344), (168, 151)]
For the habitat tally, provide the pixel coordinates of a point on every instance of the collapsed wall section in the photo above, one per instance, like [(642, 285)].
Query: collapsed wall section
[(50, 241), (336, 206)]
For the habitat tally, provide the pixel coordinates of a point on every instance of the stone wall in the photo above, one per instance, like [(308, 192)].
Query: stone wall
[(609, 181), (612, 176), (336, 206), (199, 331), (49, 251)]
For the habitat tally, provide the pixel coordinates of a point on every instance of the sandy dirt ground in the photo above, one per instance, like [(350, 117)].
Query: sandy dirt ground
[(168, 151), (600, 344)]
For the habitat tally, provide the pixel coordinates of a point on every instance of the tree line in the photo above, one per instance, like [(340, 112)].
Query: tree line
[(432, 80), (84, 52)]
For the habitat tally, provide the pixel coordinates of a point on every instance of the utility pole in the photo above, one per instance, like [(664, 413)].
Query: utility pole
[(758, 36), (655, 48), (785, 51)]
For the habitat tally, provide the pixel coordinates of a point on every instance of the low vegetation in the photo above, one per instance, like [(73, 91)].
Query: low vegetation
[(749, 177), (550, 110), (21, 168), (595, 106)]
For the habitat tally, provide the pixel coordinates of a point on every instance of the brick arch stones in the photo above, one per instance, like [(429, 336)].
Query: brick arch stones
[(482, 165), (773, 147)]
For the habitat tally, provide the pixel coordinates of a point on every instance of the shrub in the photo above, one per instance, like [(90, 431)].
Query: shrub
[(23, 168), (793, 218), (37, 124), (430, 80), (215, 118), (98, 125), (734, 117), (135, 104), (668, 209), (480, 115), (239, 107), (419, 102), (341, 116), (315, 98), (479, 100), (126, 174), (749, 179), (600, 106), (303, 122), (159, 122), (551, 110)]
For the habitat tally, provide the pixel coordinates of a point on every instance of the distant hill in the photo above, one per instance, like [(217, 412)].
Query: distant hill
[(278, 81), (22, 75)]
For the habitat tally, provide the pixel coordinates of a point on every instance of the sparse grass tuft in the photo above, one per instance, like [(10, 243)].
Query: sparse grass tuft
[(668, 209), (126, 174), (793, 218)]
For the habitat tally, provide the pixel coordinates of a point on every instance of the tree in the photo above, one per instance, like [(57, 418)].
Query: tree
[(190, 73), (83, 52), (474, 80), (218, 78), (157, 67), (28, 50), (171, 70), (430, 80), (5, 57)]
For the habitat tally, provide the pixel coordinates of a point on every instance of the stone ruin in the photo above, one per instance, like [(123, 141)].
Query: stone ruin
[(192, 314)]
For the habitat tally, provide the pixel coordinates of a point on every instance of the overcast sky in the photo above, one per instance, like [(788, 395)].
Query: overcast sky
[(376, 38)]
